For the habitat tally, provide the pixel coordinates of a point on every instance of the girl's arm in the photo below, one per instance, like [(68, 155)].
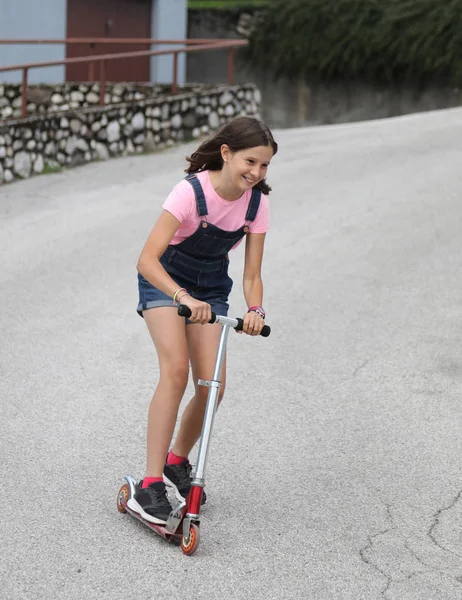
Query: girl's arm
[(253, 284), (148, 263), (151, 269)]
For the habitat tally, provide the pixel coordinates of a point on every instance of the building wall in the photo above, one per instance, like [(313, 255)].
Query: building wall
[(47, 19), (169, 21), (109, 19), (32, 19)]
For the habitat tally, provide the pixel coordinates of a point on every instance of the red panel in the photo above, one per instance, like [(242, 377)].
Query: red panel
[(109, 18)]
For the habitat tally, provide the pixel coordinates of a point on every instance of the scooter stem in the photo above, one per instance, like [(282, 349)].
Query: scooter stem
[(210, 410)]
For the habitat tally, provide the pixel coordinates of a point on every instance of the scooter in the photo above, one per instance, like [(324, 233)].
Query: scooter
[(182, 526)]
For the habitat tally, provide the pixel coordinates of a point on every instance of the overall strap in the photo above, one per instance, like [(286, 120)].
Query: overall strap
[(254, 205), (199, 192)]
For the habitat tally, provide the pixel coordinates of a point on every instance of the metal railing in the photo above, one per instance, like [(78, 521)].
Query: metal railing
[(109, 41), (190, 46)]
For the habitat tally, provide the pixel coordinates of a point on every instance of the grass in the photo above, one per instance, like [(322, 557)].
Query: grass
[(51, 168)]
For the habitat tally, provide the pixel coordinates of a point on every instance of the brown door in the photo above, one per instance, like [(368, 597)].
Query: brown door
[(109, 19)]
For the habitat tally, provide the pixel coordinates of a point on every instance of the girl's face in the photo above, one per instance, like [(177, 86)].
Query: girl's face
[(246, 167)]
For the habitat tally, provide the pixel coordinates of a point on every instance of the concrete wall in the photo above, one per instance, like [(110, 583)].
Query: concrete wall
[(169, 21), (211, 66), (32, 19), (298, 104)]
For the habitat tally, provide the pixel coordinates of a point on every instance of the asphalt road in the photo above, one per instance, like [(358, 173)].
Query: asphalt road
[(335, 468)]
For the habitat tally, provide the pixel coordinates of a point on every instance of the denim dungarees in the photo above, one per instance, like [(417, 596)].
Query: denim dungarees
[(200, 262)]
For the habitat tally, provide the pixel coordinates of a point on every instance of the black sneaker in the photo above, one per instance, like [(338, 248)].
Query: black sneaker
[(179, 478), (152, 503)]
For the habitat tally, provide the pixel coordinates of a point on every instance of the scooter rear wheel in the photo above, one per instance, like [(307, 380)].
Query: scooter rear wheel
[(190, 545), (123, 496)]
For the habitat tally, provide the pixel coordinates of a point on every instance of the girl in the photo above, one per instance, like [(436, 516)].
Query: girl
[(185, 261)]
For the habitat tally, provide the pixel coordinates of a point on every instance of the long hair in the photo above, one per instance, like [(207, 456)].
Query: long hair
[(239, 134)]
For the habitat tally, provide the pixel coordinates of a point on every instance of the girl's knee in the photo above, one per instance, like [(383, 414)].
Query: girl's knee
[(176, 373), (202, 393)]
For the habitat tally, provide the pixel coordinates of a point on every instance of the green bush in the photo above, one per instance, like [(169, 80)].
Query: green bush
[(225, 4), (369, 40)]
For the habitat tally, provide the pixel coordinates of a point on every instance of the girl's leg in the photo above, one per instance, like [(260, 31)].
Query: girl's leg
[(203, 345), (168, 334)]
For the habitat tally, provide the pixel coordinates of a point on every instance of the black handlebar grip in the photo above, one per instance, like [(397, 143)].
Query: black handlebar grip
[(264, 332), (185, 311)]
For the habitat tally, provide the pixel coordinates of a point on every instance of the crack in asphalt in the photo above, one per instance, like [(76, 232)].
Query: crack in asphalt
[(430, 567), (361, 366), (417, 557), (431, 534), (436, 521), (369, 546)]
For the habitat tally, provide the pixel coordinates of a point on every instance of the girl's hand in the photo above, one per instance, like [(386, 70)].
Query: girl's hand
[(201, 311), (253, 323)]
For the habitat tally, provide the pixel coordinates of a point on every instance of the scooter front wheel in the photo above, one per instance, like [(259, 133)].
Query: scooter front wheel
[(123, 497), (190, 544)]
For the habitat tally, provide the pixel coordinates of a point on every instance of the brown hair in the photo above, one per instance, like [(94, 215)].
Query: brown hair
[(238, 134)]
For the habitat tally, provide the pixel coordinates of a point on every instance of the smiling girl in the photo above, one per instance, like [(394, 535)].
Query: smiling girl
[(185, 261)]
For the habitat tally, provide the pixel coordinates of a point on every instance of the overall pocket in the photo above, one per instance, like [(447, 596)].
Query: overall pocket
[(184, 275), (213, 245)]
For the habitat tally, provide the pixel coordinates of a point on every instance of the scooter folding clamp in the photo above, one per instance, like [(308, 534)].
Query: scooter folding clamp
[(211, 383)]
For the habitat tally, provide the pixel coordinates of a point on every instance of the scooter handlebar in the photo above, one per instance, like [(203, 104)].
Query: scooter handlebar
[(185, 311)]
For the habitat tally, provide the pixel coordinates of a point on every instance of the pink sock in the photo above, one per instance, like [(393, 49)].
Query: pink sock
[(173, 459), (148, 480)]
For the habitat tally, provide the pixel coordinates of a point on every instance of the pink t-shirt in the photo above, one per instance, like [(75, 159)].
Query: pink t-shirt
[(225, 214)]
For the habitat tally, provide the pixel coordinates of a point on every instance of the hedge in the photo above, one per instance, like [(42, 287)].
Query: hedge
[(371, 40), (225, 4)]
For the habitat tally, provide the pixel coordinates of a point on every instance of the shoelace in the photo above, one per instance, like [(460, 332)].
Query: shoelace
[(159, 495), (184, 473)]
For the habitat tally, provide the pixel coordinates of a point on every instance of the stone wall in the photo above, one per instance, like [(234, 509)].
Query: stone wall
[(51, 142), (50, 99)]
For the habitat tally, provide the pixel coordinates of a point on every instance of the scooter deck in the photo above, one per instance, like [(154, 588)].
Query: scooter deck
[(179, 529), (159, 529), (171, 531)]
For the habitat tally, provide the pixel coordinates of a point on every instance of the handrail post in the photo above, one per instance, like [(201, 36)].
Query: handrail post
[(102, 82), (91, 66), (24, 93), (175, 73), (231, 66)]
